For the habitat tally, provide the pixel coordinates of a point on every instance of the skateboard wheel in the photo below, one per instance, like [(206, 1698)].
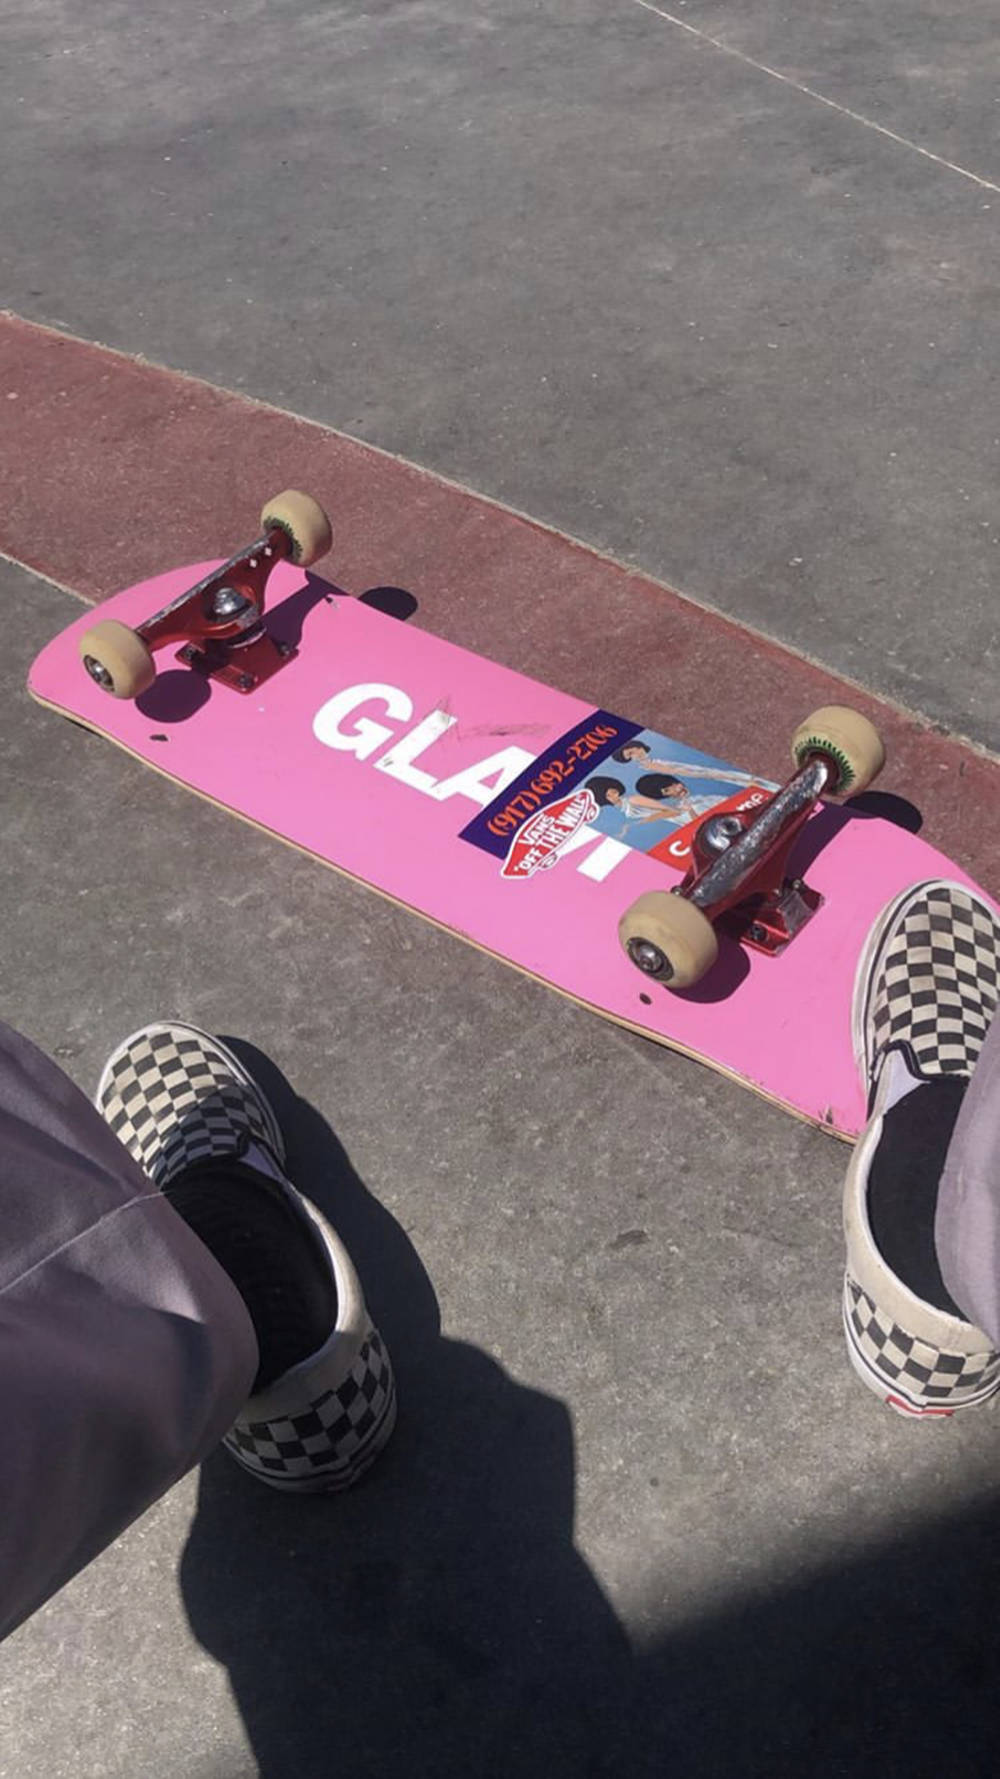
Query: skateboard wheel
[(303, 521), (668, 939), (117, 659), (847, 739)]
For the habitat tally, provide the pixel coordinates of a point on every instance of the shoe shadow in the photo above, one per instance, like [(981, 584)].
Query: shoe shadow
[(830, 1673), (437, 1619)]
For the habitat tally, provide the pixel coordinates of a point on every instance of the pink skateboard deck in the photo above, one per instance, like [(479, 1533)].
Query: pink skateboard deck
[(478, 798)]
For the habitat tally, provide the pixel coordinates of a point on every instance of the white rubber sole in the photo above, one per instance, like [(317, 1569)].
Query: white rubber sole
[(891, 1396)]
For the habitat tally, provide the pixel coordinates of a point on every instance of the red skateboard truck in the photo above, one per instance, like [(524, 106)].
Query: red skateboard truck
[(739, 877), (219, 622)]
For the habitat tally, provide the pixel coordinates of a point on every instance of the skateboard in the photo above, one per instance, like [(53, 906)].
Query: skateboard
[(693, 901)]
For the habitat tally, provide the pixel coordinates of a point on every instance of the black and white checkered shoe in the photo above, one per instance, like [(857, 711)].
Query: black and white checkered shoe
[(927, 988), (179, 1099), (320, 1426), (928, 984), (176, 1097)]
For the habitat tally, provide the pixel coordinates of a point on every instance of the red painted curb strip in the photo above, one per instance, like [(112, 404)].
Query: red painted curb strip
[(115, 469)]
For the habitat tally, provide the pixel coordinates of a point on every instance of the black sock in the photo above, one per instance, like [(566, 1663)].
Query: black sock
[(903, 1185), (246, 1222)]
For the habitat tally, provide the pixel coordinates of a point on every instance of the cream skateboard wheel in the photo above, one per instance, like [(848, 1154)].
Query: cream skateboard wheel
[(847, 739), (117, 659), (303, 521), (668, 939)]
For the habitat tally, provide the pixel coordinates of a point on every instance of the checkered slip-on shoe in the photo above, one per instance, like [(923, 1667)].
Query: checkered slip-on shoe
[(928, 984), (322, 1424), (177, 1099), (927, 989), (917, 1359)]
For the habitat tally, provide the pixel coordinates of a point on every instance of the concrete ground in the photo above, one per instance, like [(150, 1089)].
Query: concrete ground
[(736, 329), (579, 258)]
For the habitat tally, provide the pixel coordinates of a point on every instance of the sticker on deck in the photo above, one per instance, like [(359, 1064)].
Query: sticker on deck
[(539, 841), (630, 784)]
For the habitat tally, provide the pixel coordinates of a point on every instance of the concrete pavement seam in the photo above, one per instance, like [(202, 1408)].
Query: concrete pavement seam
[(810, 92)]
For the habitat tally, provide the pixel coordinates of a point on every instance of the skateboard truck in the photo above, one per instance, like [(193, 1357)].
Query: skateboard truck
[(219, 621), (738, 879), (739, 870)]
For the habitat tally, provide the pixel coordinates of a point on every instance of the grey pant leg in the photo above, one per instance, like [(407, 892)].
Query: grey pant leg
[(125, 1351), (967, 1229)]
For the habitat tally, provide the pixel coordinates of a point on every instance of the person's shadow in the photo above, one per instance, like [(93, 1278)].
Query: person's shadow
[(437, 1619)]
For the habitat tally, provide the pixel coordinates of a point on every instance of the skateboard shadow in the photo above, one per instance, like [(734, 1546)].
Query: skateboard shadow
[(889, 808), (833, 818), (395, 602), (286, 620), (174, 696), (731, 967), (436, 1620)]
